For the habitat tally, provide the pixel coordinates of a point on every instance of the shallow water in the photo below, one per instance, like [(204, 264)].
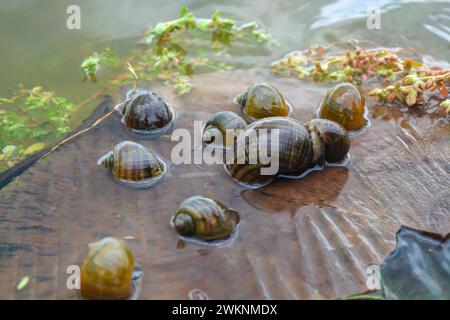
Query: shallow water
[(38, 49), (307, 238)]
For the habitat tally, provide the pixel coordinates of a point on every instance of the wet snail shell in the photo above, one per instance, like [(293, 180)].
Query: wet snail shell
[(107, 270), (262, 100), (217, 126), (204, 219), (134, 165), (344, 104), (145, 113), (300, 147)]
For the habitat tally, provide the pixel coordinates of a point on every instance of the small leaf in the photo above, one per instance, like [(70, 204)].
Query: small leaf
[(23, 282), (183, 11), (411, 98), (160, 28), (202, 24), (5, 100), (443, 92), (34, 148)]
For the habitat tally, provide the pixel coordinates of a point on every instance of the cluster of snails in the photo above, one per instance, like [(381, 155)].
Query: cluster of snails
[(108, 271)]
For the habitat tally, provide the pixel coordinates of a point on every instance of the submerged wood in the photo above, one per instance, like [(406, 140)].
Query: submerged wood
[(298, 239)]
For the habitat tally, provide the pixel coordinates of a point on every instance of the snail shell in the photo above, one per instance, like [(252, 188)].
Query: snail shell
[(299, 147), (107, 270), (344, 104), (217, 126), (205, 219), (262, 100), (134, 165), (144, 112)]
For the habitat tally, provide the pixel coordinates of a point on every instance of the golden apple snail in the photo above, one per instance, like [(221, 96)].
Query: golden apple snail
[(107, 271), (262, 100), (344, 104), (299, 148), (204, 219), (143, 112), (217, 126), (134, 165)]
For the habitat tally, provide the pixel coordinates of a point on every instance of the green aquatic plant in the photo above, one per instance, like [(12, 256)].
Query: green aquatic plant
[(406, 82), (32, 118), (28, 118), (164, 55)]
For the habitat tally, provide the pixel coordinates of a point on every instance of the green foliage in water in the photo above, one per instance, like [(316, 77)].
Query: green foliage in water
[(164, 53), (28, 118), (33, 117)]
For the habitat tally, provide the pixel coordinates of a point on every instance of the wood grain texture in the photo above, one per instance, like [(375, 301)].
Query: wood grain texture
[(298, 239)]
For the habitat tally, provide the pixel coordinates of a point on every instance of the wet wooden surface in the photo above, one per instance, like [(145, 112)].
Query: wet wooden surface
[(298, 239)]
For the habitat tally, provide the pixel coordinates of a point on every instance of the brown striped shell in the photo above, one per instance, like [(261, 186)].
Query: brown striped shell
[(262, 100), (344, 104), (334, 139), (144, 112), (217, 125), (297, 147), (107, 270), (204, 219), (134, 165), (294, 147)]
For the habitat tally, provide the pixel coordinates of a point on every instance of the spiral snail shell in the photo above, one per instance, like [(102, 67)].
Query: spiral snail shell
[(107, 270), (344, 104), (205, 219), (217, 126), (134, 165), (143, 112), (299, 147), (262, 100)]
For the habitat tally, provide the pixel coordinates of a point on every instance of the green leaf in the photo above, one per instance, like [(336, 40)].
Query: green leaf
[(183, 11), (34, 148), (202, 24), (160, 28), (23, 282), (5, 100)]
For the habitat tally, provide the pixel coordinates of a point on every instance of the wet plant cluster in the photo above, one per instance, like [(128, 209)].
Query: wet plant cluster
[(164, 55), (406, 81)]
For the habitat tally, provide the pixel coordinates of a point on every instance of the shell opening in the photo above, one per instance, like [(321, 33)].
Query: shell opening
[(318, 146), (334, 138)]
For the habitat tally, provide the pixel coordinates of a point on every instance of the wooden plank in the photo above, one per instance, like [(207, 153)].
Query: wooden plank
[(298, 239)]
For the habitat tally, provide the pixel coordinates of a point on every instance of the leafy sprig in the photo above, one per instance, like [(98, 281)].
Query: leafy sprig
[(38, 114), (164, 55), (408, 82)]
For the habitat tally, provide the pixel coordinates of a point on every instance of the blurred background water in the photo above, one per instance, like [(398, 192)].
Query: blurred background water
[(38, 49)]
